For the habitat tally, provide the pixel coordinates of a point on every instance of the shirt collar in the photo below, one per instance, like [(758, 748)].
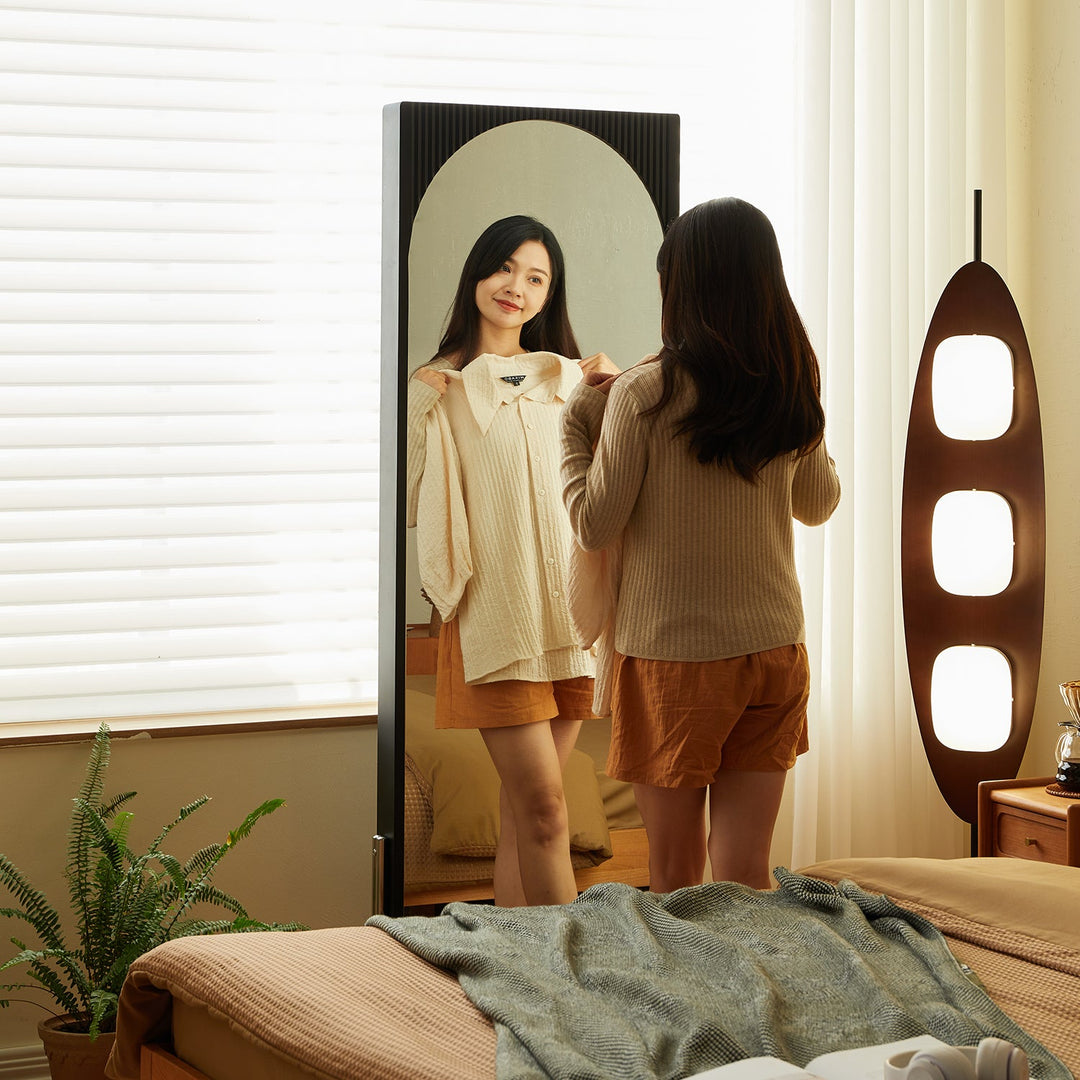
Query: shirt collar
[(485, 389)]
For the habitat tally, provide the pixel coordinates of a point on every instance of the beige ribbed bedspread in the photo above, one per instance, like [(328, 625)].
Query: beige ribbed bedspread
[(347, 1004)]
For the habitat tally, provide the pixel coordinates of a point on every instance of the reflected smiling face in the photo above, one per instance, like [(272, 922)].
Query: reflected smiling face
[(517, 291)]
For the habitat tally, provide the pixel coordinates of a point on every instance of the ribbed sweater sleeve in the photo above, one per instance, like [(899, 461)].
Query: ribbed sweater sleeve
[(420, 400), (815, 489), (598, 500)]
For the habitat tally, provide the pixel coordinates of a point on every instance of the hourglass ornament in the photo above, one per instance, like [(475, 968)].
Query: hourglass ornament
[(1067, 779)]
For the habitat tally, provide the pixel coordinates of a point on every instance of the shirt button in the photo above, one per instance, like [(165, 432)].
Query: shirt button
[(556, 595), (551, 562)]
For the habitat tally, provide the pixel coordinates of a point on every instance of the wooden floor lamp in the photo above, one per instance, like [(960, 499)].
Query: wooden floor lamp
[(973, 536)]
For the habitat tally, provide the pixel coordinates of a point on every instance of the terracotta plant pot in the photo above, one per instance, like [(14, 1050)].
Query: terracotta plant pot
[(72, 1054)]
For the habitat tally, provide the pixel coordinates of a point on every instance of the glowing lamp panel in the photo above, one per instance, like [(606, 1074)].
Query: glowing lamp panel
[(971, 387), (971, 695), (971, 541)]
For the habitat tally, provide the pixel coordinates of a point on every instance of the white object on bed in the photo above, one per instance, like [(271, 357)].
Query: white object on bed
[(859, 1063)]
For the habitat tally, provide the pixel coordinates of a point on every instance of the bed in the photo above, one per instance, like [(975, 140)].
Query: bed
[(452, 793), (354, 1002)]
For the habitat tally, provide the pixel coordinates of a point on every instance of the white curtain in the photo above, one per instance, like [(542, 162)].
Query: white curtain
[(899, 119)]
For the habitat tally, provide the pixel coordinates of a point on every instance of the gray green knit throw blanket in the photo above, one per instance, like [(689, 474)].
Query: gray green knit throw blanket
[(630, 985)]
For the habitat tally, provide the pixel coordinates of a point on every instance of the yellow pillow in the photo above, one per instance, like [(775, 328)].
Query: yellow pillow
[(465, 788)]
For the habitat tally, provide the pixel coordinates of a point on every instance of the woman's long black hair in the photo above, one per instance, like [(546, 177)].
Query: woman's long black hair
[(729, 325), (548, 331)]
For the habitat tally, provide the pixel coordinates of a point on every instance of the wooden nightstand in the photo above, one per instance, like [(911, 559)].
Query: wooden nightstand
[(1019, 819)]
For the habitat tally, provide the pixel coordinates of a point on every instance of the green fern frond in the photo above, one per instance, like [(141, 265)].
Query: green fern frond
[(37, 962), (185, 813), (120, 829), (204, 859), (71, 1000), (204, 927), (107, 809), (94, 777), (14, 987), (24, 956), (99, 835), (171, 865), (80, 837), (36, 910), (202, 892), (102, 1012), (245, 826), (191, 896), (99, 918), (138, 926)]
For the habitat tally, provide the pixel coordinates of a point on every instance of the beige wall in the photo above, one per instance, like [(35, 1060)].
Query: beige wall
[(310, 861), (1043, 152)]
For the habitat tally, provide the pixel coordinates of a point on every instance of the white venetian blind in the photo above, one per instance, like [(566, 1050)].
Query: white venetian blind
[(189, 234)]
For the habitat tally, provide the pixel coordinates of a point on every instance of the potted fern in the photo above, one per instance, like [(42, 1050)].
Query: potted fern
[(124, 903)]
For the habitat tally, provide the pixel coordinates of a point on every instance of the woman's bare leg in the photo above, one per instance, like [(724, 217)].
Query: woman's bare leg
[(532, 861), (675, 826), (509, 892), (742, 814)]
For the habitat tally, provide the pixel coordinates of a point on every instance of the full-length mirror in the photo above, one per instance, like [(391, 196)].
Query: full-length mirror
[(605, 184)]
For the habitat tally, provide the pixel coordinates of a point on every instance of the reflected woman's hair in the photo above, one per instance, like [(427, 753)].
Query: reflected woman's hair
[(728, 322), (549, 330)]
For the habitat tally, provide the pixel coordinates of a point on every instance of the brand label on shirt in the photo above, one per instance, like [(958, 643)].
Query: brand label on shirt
[(513, 380)]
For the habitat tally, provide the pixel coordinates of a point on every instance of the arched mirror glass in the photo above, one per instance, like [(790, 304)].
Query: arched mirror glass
[(606, 184)]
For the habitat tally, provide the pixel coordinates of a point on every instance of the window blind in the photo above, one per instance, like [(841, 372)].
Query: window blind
[(189, 235)]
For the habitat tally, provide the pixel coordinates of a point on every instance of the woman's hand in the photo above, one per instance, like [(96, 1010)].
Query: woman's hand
[(433, 378), (599, 371), (598, 362)]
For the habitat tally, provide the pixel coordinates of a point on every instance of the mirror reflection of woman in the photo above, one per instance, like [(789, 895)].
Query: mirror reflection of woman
[(493, 539), (706, 453)]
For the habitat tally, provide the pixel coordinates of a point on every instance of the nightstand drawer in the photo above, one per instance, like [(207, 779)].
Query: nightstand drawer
[(1022, 820), (1028, 836)]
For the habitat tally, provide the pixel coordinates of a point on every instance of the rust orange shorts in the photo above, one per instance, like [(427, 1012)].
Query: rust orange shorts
[(679, 724), (507, 703)]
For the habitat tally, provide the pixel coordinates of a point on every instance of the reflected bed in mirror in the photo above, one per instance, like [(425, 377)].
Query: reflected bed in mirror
[(605, 183)]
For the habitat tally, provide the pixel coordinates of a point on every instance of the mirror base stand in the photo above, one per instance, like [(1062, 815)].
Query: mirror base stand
[(378, 864)]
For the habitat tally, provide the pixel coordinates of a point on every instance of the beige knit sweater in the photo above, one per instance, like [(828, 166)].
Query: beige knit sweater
[(707, 559)]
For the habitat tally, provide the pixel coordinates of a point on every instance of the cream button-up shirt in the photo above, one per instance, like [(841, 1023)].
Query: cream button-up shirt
[(493, 537)]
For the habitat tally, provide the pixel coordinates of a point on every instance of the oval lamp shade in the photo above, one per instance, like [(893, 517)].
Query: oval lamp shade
[(1009, 463), (972, 543)]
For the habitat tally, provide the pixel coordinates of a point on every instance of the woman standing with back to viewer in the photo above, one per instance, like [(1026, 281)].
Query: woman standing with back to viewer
[(703, 456)]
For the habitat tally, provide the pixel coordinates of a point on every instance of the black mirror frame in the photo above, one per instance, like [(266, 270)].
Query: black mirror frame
[(418, 138)]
